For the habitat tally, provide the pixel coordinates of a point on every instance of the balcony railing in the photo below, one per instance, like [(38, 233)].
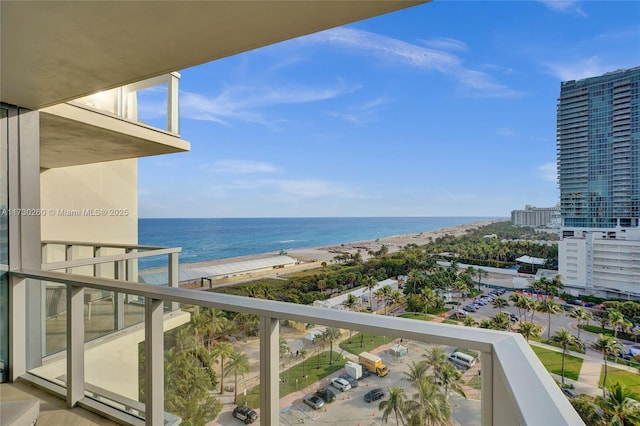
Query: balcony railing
[(516, 388), (123, 101)]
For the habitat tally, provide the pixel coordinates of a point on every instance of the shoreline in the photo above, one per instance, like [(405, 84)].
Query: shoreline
[(327, 253)]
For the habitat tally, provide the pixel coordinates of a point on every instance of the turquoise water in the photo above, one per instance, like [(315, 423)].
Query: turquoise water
[(210, 239)]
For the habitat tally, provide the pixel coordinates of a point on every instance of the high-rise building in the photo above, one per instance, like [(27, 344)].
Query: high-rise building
[(536, 216), (598, 131)]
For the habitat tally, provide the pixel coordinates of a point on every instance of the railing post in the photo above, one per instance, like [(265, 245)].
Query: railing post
[(97, 268), (75, 345), (174, 275), (486, 388), (269, 371), (68, 255), (154, 362), (173, 117), (118, 298), (18, 329)]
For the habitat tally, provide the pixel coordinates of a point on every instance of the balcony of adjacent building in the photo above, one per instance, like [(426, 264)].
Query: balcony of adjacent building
[(116, 347), (110, 125)]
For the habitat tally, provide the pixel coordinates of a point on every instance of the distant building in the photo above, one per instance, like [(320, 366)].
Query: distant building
[(536, 217), (598, 133)]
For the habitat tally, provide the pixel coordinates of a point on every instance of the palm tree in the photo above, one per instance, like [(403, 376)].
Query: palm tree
[(608, 345), (481, 273), (320, 339), (396, 297), (238, 364), (303, 355), (616, 319), (370, 282), (529, 329), (549, 307), (451, 380), (581, 314), (436, 359), (620, 406), (429, 405), (469, 321), (565, 339), (394, 404), (428, 297), (350, 302), (222, 350), (331, 334), (500, 302), (417, 371)]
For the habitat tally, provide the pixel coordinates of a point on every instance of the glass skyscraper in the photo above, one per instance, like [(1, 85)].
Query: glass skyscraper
[(598, 133)]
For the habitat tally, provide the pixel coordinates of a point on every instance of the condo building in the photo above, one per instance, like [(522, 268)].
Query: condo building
[(598, 132), (536, 217), (75, 319)]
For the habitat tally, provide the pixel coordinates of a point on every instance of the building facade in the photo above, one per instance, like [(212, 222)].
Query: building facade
[(536, 216), (598, 135)]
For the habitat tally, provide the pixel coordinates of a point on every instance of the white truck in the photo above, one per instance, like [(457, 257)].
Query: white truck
[(353, 369)]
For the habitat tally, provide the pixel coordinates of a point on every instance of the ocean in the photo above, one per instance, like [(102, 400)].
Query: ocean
[(211, 239)]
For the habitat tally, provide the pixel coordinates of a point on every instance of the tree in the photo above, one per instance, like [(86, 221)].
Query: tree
[(617, 320), (565, 339), (481, 273), (500, 303), (222, 350), (620, 407), (529, 329), (331, 334), (283, 347), (436, 359), (370, 282), (394, 404), (581, 314), (549, 307), (608, 345), (588, 411), (429, 405), (238, 364), (451, 380), (469, 321)]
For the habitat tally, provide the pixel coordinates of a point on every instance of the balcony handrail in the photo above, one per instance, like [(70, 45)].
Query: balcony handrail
[(101, 245), (52, 266), (530, 387)]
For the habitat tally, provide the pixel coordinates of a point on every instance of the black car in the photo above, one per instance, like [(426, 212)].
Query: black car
[(353, 382), (374, 395), (326, 394), (244, 413)]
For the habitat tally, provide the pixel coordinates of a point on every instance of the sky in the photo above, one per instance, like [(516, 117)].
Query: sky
[(444, 109)]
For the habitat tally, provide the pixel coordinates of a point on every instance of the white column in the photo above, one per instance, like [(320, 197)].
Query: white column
[(174, 275), (269, 371), (18, 328), (173, 114), (75, 345), (486, 383), (154, 362)]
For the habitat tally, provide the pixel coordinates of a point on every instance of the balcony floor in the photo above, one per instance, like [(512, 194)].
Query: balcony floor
[(53, 410)]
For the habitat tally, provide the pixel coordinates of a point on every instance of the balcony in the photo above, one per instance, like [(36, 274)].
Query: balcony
[(106, 126), (514, 383)]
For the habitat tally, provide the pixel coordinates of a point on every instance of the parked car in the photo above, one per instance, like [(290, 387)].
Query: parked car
[(353, 382), (514, 317), (341, 384), (470, 308), (244, 413), (570, 394), (313, 401), (460, 314), (374, 395), (326, 394)]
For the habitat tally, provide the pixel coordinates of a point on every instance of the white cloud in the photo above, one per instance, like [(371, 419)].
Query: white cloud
[(578, 69), (564, 6), (506, 132), (243, 102), (474, 83), (242, 167), (360, 113), (548, 172), (445, 43)]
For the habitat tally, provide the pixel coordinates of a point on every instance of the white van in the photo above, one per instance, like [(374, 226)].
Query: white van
[(462, 359)]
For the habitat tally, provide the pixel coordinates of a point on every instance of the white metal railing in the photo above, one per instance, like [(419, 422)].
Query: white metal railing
[(516, 388), (123, 101)]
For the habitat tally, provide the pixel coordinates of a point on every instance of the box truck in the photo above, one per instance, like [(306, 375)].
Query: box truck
[(353, 369), (373, 363)]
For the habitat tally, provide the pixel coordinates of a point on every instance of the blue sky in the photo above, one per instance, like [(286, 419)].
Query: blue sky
[(444, 109)]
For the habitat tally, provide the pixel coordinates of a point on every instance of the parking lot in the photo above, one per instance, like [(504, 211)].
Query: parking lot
[(350, 408)]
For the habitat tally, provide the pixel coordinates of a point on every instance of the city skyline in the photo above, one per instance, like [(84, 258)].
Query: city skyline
[(445, 109)]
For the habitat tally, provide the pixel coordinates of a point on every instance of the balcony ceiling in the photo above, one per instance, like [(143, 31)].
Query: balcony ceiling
[(54, 51)]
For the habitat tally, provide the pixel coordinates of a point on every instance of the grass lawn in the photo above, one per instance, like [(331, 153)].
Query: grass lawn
[(607, 331), (313, 368), (369, 342), (417, 316), (629, 379), (553, 362)]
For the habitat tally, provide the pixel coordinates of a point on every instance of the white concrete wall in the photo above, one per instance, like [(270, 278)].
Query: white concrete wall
[(572, 257)]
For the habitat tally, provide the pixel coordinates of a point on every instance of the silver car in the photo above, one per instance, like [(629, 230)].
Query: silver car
[(313, 401)]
